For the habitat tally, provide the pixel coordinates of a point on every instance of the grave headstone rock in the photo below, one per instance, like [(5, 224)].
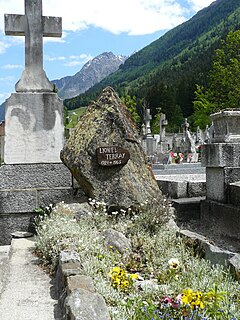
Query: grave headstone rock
[(107, 126)]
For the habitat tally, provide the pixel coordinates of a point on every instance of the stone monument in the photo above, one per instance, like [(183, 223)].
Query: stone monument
[(163, 145), (148, 140), (32, 175), (34, 114), (222, 162), (105, 156)]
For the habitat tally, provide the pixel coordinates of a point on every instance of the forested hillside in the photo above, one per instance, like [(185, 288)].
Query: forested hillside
[(165, 73)]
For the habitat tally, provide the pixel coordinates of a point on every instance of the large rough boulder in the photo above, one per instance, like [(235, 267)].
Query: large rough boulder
[(106, 126)]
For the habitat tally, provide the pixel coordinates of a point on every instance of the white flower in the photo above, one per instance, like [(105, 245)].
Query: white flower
[(174, 264)]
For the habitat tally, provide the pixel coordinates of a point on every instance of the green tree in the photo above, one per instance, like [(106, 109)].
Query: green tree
[(202, 108), (223, 89), (155, 125), (131, 104)]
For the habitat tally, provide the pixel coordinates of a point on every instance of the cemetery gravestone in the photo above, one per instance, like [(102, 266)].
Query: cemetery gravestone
[(148, 140), (34, 121), (162, 143), (32, 174), (221, 159), (105, 156)]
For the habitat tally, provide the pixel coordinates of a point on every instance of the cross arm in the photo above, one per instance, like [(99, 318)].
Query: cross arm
[(15, 25), (52, 27)]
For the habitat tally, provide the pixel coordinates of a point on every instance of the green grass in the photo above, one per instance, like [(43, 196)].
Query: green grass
[(74, 115)]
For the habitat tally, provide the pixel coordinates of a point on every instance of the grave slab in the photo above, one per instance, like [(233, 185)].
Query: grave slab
[(221, 155), (218, 180), (187, 208), (227, 217), (182, 185)]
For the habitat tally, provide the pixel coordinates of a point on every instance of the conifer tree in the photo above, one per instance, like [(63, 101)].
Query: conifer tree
[(223, 90)]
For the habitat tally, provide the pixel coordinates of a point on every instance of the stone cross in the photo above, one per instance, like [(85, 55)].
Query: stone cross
[(185, 127), (34, 27), (148, 118), (163, 123)]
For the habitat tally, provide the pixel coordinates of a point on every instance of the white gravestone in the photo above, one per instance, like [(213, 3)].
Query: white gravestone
[(34, 131)]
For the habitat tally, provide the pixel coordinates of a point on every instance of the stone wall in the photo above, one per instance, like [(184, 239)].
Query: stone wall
[(25, 187), (76, 292)]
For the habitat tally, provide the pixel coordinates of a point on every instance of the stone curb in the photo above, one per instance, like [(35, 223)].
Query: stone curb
[(209, 251), (77, 296)]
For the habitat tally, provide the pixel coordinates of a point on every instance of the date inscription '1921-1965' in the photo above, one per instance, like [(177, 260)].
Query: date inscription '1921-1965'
[(112, 156)]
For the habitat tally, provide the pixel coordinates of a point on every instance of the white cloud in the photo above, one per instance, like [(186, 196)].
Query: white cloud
[(49, 58), (7, 79), (12, 66), (3, 46), (7, 42), (78, 60), (73, 63), (82, 56), (199, 4), (135, 17), (4, 96)]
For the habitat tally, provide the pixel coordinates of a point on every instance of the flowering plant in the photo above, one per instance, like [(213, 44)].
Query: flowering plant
[(120, 279), (171, 282), (176, 157)]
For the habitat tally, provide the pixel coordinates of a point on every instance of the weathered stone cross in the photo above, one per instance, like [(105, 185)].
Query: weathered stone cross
[(148, 118), (34, 27)]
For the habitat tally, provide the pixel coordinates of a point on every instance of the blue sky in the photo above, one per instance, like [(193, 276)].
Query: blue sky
[(90, 28)]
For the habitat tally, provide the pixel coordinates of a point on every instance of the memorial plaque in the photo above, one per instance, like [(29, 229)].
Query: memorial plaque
[(112, 156)]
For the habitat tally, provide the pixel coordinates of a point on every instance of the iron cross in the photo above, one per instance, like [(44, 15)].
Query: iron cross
[(34, 26)]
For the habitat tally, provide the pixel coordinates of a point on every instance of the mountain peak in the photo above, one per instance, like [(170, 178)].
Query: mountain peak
[(91, 73)]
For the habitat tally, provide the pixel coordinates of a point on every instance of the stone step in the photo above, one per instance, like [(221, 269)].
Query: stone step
[(179, 171), (187, 208), (182, 186), (185, 168), (194, 166)]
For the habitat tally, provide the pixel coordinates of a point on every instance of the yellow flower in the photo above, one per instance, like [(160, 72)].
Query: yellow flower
[(187, 296), (133, 276), (125, 284), (193, 299), (120, 278), (116, 269)]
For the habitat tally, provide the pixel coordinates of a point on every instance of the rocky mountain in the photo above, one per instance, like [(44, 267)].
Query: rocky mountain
[(164, 74), (91, 73)]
